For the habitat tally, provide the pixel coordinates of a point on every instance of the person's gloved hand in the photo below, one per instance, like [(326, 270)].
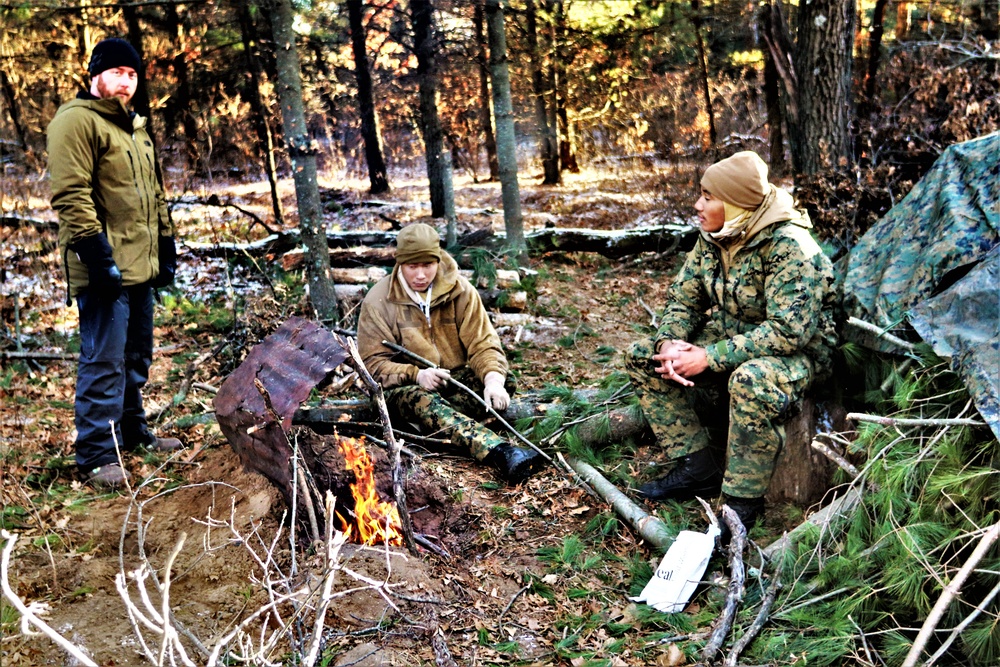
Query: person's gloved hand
[(104, 277), (168, 262), (433, 379), (494, 393)]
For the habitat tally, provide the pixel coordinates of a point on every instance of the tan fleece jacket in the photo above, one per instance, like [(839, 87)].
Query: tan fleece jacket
[(459, 332)]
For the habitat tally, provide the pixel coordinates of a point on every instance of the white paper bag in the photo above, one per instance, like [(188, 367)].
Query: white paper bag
[(682, 567)]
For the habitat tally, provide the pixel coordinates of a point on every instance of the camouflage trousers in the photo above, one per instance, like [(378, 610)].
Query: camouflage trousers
[(757, 397), (450, 412)]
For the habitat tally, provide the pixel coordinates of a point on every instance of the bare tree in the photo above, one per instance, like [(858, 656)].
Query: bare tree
[(506, 143), (302, 151), (265, 137), (438, 159), (546, 133), (366, 103), (485, 113)]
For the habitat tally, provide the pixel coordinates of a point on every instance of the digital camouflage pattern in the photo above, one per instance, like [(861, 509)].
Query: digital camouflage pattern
[(950, 219), (761, 394), (775, 300), (764, 311), (947, 224), (449, 413)]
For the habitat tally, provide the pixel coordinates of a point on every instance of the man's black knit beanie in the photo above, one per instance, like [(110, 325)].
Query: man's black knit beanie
[(111, 53)]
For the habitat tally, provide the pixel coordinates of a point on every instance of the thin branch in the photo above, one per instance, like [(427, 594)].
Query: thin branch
[(881, 333), (948, 594), (758, 623), (29, 613), (736, 577), (893, 421)]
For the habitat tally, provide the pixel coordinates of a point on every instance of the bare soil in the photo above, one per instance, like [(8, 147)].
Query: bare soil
[(495, 600)]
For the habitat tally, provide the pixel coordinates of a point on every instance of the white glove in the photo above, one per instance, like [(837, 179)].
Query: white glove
[(494, 393), (433, 379)]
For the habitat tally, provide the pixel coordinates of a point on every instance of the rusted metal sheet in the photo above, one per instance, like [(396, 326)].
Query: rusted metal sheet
[(297, 357)]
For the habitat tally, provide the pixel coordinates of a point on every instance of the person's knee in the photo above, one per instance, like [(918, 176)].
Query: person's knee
[(753, 384), (638, 357)]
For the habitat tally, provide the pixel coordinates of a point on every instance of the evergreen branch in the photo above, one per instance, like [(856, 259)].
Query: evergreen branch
[(948, 594), (957, 631), (894, 421)]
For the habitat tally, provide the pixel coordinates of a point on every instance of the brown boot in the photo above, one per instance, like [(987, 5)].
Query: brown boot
[(107, 477)]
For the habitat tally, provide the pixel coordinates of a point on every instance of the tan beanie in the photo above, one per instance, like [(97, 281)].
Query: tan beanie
[(740, 179), (418, 243)]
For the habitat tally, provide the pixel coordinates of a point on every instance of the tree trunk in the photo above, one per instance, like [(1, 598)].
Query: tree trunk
[(506, 143), (265, 139), (14, 107), (546, 141), (302, 151), (438, 159), (485, 113), (183, 94), (140, 101), (823, 59), (874, 59), (567, 133), (772, 101), (696, 20), (366, 103)]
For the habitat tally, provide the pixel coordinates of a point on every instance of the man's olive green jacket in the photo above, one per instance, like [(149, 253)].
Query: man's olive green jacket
[(103, 174)]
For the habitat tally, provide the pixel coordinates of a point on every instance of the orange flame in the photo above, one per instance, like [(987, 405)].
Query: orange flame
[(376, 520)]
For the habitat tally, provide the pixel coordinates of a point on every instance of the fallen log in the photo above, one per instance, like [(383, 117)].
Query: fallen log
[(613, 244), (649, 527), (840, 507)]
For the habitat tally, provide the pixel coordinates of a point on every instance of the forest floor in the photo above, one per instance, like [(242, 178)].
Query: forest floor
[(539, 574)]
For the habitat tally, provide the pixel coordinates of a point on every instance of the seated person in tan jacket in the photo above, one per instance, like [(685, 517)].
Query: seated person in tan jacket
[(425, 306)]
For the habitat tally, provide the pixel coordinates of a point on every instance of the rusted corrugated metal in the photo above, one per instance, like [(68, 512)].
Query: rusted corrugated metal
[(290, 363)]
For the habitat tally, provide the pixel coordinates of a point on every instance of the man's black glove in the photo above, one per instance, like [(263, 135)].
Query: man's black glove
[(168, 262), (105, 278)]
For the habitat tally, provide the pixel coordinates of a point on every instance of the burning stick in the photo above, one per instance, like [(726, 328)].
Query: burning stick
[(375, 391)]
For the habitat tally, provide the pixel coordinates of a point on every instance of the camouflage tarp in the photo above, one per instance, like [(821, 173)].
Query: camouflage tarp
[(925, 250)]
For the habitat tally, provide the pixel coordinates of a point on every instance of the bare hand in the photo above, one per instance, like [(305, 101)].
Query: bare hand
[(679, 361), (494, 393), (433, 379)]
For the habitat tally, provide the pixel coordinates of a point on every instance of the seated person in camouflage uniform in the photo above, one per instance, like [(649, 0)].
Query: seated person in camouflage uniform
[(425, 306), (748, 327)]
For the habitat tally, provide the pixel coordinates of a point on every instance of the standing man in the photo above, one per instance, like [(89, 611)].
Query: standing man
[(425, 306), (117, 245), (748, 327)]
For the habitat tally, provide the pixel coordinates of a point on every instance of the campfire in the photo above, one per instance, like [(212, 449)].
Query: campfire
[(374, 521)]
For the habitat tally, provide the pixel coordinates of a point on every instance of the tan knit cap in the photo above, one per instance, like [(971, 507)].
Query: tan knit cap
[(740, 179), (418, 243)]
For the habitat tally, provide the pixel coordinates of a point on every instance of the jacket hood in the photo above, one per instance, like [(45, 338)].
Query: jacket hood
[(110, 108), (778, 206), (444, 282)]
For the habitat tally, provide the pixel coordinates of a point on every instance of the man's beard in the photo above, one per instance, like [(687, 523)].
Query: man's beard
[(104, 92)]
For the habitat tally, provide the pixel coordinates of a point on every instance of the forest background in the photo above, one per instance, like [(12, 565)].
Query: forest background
[(614, 109)]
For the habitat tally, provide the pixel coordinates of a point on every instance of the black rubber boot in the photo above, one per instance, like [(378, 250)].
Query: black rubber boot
[(749, 510), (515, 464), (697, 474)]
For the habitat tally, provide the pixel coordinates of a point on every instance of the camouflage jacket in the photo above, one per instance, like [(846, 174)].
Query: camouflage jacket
[(773, 296), (457, 333)]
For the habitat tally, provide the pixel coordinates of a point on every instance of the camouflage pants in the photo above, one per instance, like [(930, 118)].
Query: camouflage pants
[(760, 394), (449, 412)]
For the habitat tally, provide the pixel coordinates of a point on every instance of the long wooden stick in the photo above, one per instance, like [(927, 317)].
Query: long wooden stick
[(489, 408), (398, 490), (649, 527), (892, 421), (948, 594)]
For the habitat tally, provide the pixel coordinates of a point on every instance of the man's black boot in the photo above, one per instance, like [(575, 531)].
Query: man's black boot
[(749, 510), (515, 464), (697, 474)]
